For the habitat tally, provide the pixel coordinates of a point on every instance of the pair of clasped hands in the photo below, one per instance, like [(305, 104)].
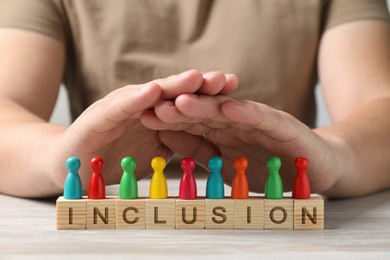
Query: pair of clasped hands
[(190, 114)]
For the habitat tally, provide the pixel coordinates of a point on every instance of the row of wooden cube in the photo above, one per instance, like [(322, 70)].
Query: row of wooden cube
[(253, 213)]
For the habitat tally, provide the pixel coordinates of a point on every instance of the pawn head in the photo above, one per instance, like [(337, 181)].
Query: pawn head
[(301, 163), (96, 164), (215, 163), (188, 164), (274, 164), (240, 163), (128, 164), (158, 163), (73, 164)]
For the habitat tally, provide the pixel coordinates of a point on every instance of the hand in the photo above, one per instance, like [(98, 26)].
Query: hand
[(219, 125), (110, 127)]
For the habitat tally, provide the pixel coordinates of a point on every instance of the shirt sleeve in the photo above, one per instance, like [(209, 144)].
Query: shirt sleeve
[(342, 11), (42, 16)]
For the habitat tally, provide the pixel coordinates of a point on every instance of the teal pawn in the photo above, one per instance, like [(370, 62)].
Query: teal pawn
[(215, 186), (128, 187), (73, 189), (273, 183)]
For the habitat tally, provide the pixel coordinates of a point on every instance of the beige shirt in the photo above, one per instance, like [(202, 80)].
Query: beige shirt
[(270, 44)]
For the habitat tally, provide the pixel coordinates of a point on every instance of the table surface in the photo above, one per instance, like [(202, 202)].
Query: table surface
[(356, 228)]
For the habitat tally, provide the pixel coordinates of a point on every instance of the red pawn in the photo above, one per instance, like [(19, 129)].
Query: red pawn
[(301, 187), (240, 182), (187, 190), (96, 188)]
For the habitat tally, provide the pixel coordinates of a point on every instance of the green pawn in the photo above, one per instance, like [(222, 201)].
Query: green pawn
[(128, 188), (273, 183)]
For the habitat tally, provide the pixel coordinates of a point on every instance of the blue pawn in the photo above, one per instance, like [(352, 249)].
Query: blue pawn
[(215, 187), (73, 188)]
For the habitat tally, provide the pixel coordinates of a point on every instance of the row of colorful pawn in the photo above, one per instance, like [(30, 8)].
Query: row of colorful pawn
[(188, 189)]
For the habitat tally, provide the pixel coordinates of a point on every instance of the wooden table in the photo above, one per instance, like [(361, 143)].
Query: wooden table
[(356, 228)]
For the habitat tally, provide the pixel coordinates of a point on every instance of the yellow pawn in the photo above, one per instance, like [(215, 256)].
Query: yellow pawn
[(158, 183)]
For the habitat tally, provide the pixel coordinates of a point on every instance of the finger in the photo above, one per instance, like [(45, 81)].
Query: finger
[(172, 86), (213, 83), (191, 81), (231, 84), (205, 109), (200, 107), (168, 113), (186, 82), (195, 146), (274, 123), (111, 112), (151, 121), (165, 116)]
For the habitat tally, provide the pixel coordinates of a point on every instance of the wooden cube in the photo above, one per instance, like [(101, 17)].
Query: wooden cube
[(278, 213), (249, 213), (309, 214), (71, 214), (160, 213), (190, 213), (130, 214), (219, 213), (101, 213)]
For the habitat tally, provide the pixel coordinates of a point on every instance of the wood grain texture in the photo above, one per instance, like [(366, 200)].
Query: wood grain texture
[(71, 214), (278, 213), (101, 214), (160, 213), (249, 213), (190, 214), (130, 214), (219, 213), (354, 229), (309, 214), (225, 213)]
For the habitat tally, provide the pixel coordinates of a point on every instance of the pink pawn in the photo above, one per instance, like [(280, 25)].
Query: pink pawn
[(188, 189), (96, 188), (301, 187)]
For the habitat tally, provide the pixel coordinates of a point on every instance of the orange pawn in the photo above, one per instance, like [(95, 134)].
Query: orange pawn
[(240, 182)]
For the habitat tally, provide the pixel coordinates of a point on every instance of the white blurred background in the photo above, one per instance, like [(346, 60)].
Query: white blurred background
[(61, 113)]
